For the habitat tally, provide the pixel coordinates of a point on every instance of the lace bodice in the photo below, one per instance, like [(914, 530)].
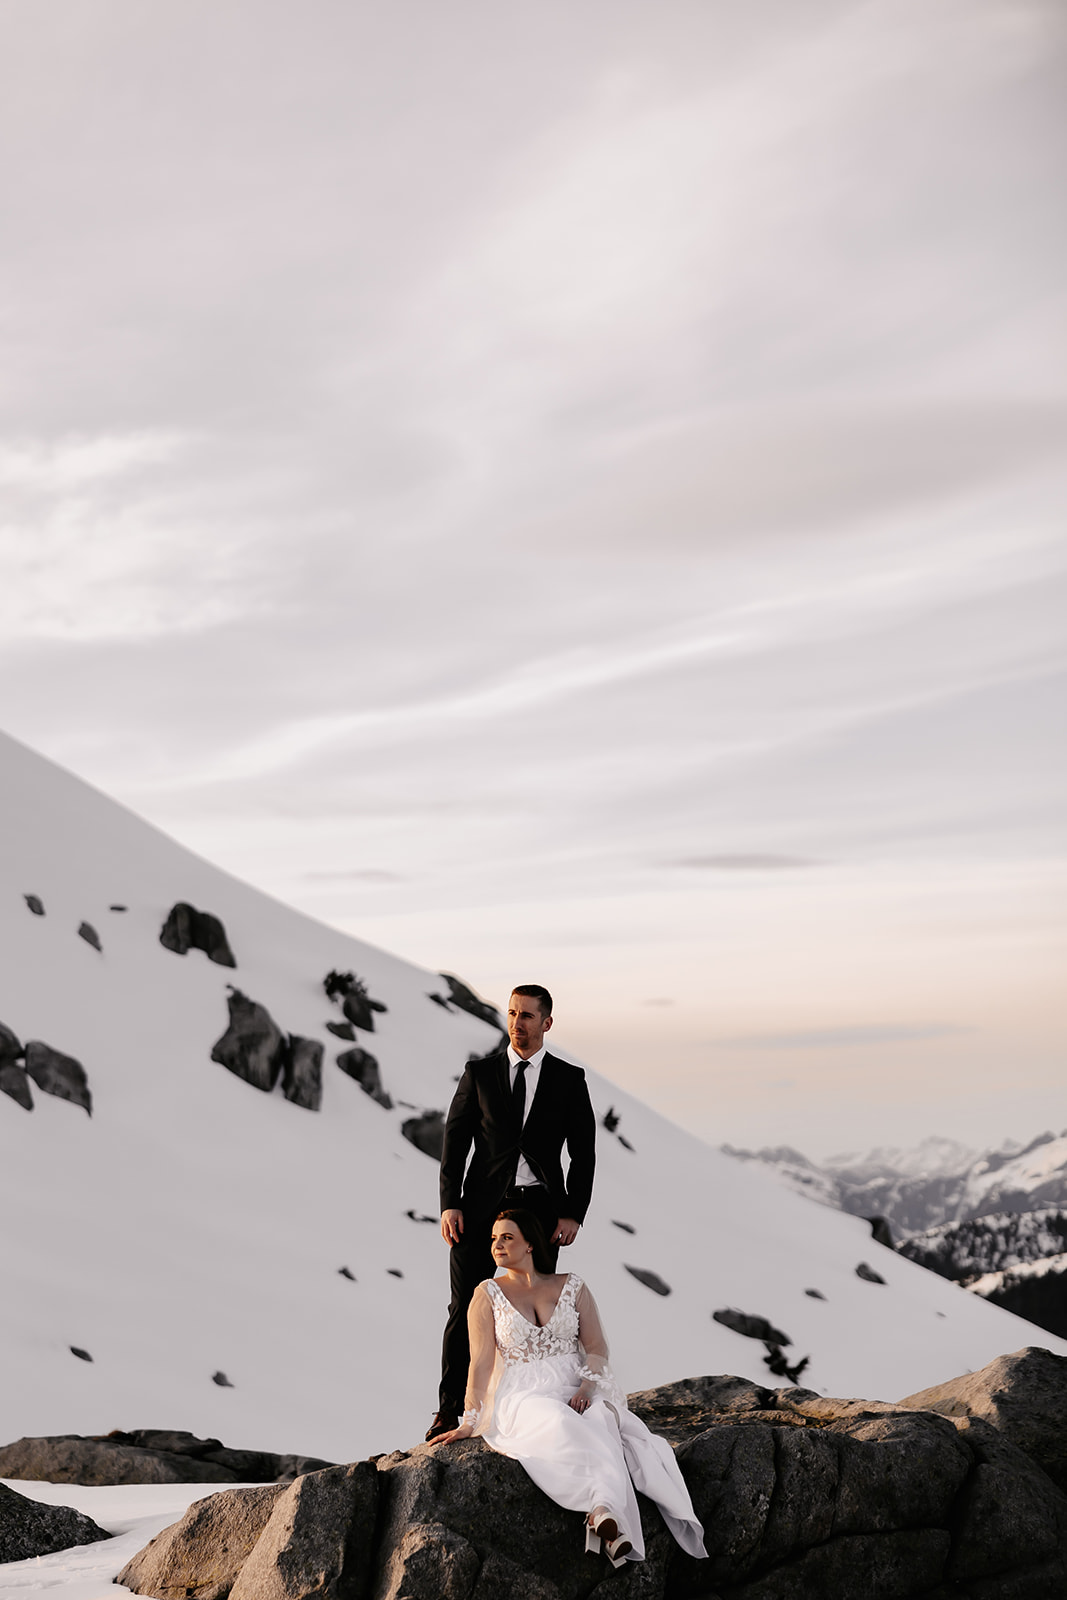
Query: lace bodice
[(520, 1340)]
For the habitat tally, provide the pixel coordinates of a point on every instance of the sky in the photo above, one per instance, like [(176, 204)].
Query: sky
[(573, 494)]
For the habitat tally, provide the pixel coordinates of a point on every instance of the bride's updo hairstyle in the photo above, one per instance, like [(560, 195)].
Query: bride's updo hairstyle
[(533, 1233)]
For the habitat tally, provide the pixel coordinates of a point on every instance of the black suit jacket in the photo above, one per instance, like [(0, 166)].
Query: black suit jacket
[(482, 1114)]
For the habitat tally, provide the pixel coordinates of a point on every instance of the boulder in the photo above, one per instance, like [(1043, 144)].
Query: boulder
[(801, 1497), (253, 1046), (200, 1557), (362, 1066), (34, 903), (651, 1280), (1023, 1395), (463, 996), (14, 1082), (319, 1540), (752, 1327), (302, 1072), (868, 1274), (58, 1074), (10, 1046), (87, 932), (426, 1132), (94, 1461), (342, 1030), (29, 1529), (147, 1455), (188, 929)]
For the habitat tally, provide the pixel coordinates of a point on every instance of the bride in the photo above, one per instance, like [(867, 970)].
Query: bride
[(540, 1390)]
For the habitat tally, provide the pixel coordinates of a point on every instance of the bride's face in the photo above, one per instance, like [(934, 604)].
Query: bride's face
[(510, 1249)]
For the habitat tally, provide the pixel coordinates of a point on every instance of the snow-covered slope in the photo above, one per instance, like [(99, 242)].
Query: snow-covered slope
[(939, 1181), (195, 1225)]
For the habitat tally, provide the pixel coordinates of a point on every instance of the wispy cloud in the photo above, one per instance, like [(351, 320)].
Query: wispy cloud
[(844, 1038), (739, 861)]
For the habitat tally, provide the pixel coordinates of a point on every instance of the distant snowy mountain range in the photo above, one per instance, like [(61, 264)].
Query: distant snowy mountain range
[(217, 1124), (938, 1181), (994, 1221)]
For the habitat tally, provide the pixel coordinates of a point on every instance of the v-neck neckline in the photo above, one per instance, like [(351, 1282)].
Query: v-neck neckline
[(523, 1315)]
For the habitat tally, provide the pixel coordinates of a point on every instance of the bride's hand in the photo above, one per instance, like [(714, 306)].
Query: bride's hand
[(463, 1432), (579, 1402)]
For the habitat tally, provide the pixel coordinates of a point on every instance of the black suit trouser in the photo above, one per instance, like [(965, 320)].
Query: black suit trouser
[(470, 1262)]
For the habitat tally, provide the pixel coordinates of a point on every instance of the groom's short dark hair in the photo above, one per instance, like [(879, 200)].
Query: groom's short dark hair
[(536, 991)]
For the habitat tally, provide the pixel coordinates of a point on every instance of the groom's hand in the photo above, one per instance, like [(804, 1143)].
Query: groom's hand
[(451, 1226), (566, 1231)]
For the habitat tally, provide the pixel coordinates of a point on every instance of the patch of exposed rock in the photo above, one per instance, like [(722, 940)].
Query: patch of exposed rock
[(187, 929), (363, 1067), (426, 1132), (302, 1072), (14, 1082), (29, 1529), (800, 1496), (463, 996), (146, 1455), (58, 1074), (253, 1046)]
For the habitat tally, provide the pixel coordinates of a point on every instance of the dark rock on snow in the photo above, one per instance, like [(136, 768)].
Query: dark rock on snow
[(87, 932), (627, 1227), (147, 1455), (222, 1380), (34, 903), (343, 1030), (14, 1082), (751, 1326), (10, 1046), (58, 1074), (29, 1529), (302, 1072), (651, 1280), (362, 1066), (253, 1046), (426, 1133), (188, 929), (801, 1497), (464, 997), (346, 1272), (82, 1355), (118, 908), (815, 1294), (868, 1274)]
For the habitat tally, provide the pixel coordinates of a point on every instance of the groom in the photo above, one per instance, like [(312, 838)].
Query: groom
[(518, 1107)]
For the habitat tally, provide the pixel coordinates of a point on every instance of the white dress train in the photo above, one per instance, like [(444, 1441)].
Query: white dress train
[(580, 1459)]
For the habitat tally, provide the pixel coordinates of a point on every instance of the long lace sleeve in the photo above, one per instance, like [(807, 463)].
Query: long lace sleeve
[(597, 1377), (483, 1355)]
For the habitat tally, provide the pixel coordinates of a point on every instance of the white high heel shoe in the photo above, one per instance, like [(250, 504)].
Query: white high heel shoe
[(602, 1532)]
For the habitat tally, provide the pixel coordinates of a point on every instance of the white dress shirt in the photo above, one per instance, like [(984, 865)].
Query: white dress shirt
[(524, 1173)]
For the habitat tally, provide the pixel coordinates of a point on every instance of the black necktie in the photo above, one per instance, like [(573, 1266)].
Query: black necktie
[(518, 1090)]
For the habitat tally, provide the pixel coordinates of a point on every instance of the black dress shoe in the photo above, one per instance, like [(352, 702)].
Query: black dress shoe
[(443, 1422)]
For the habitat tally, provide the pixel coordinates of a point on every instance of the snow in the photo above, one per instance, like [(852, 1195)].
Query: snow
[(134, 1513), (1048, 1266), (194, 1224)]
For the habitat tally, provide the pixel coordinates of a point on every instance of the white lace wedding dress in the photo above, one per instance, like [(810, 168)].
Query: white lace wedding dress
[(580, 1459)]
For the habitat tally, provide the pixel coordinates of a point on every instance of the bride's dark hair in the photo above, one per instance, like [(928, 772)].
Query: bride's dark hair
[(533, 1233)]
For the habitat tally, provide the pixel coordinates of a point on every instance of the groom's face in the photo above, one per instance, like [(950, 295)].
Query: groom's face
[(526, 1026)]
